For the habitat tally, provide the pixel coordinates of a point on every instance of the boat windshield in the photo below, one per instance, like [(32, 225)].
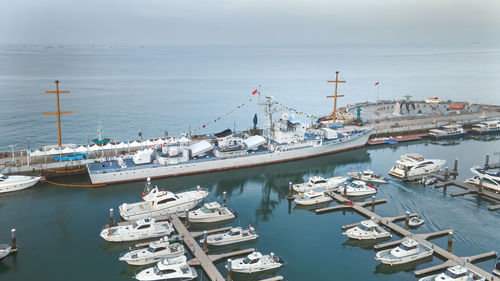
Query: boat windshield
[(206, 210), (247, 260), (406, 248), (135, 225), (151, 249), (353, 185), (454, 275), (363, 227), (3, 177), (156, 270)]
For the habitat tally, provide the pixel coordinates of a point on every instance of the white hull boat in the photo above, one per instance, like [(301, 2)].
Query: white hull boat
[(486, 127), (4, 251), (256, 262), (357, 188), (312, 197), (367, 176), (413, 165), (447, 131), (367, 230), (168, 271), (162, 203), (154, 253), (319, 182), (490, 180), (416, 221), (455, 273), (15, 183), (233, 236), (141, 229), (211, 212), (409, 250)]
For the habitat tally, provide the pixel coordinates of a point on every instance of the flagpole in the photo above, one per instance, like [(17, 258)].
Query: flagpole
[(377, 93)]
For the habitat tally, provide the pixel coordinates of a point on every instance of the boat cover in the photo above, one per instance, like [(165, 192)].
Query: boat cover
[(225, 133), (254, 142), (200, 147)]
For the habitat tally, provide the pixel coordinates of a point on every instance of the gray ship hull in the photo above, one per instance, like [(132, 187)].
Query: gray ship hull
[(193, 167)]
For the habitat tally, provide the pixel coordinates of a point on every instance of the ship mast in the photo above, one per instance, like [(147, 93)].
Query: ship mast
[(268, 107), (58, 112), (334, 117)]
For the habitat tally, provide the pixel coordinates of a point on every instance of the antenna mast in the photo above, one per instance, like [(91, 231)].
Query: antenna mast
[(268, 108), (334, 117)]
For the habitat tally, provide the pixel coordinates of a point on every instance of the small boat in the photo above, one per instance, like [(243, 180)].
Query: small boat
[(455, 273), (367, 230), (317, 181), (141, 229), (211, 212), (158, 203), (447, 131), (312, 197), (428, 180), (235, 235), (16, 182), (486, 127), (409, 250), (4, 251), (357, 188), (156, 251), (414, 165), (168, 270), (256, 262), (416, 221), (367, 176)]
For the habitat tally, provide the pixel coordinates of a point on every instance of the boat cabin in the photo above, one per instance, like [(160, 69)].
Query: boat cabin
[(211, 207), (367, 225), (252, 258), (456, 272), (234, 232), (408, 245), (143, 223)]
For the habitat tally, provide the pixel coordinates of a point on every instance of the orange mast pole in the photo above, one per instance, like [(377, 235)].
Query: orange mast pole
[(58, 113), (334, 117)]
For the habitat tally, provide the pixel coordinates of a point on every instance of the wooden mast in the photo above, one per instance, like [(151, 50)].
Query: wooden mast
[(334, 117), (59, 112)]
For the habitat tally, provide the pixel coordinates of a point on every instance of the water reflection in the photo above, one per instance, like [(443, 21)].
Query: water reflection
[(407, 267)]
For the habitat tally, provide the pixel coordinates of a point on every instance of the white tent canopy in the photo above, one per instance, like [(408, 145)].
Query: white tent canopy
[(254, 142), (108, 146), (135, 144), (81, 149), (95, 147), (37, 153), (200, 147)]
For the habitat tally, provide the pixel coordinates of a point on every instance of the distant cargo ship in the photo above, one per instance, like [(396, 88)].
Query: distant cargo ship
[(284, 140)]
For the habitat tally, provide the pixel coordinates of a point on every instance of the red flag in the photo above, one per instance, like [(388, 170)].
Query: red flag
[(254, 92), (376, 84)]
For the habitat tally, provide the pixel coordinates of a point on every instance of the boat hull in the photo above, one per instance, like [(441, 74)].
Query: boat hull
[(159, 212), (192, 167), (15, 186)]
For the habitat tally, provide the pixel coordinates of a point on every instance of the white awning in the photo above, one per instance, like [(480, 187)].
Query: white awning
[(254, 142), (200, 147)]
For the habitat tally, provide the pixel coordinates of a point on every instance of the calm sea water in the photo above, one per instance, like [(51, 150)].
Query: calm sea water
[(153, 89), (58, 227)]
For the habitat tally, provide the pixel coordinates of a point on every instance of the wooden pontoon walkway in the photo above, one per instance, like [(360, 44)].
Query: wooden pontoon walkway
[(450, 258)]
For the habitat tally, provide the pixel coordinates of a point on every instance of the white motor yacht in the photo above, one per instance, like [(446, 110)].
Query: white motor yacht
[(416, 221), (447, 131), (409, 250), (141, 229), (4, 251), (211, 212), (455, 273), (357, 188), (162, 203), (317, 181), (367, 230), (490, 179), (367, 176), (17, 182), (414, 165), (168, 271), (312, 197), (156, 251), (256, 262), (235, 235), (486, 127)]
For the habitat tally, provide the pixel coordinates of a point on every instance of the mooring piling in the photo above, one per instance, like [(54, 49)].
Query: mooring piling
[(229, 269), (111, 218), (373, 203), (487, 163), (407, 220), (290, 195), (205, 235), (450, 241), (13, 246), (187, 217), (224, 199)]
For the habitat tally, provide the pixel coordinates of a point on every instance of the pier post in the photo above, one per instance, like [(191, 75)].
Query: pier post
[(487, 163), (455, 166), (289, 207), (373, 203), (345, 190), (446, 173), (13, 246), (290, 196), (205, 248), (111, 218), (450, 241), (229, 269), (407, 220), (480, 185), (187, 217), (224, 199), (406, 173)]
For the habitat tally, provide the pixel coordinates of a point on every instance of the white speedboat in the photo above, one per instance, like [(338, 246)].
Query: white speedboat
[(317, 181), (367, 230), (4, 251), (141, 229), (490, 179), (455, 273), (17, 182), (256, 262), (163, 202), (156, 251), (368, 176), (409, 250), (211, 212), (233, 236), (168, 271), (312, 197), (414, 165), (486, 127), (447, 131), (416, 221), (357, 188)]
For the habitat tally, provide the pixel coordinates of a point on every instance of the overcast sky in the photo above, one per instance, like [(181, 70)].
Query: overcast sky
[(261, 22)]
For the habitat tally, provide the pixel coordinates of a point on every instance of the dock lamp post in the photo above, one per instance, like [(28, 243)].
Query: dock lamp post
[(12, 147)]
